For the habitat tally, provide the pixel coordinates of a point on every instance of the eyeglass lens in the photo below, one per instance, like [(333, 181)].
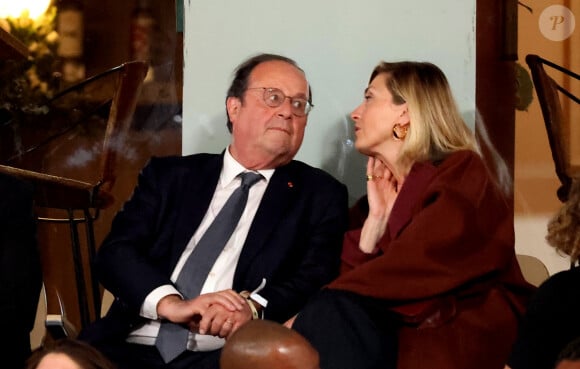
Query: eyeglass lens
[(274, 97)]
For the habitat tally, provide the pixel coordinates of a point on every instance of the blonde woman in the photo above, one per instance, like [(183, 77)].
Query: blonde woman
[(429, 274)]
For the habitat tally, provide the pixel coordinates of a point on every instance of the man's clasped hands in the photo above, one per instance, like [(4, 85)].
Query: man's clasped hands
[(218, 314)]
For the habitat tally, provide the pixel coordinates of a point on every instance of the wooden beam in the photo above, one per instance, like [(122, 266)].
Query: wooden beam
[(11, 47)]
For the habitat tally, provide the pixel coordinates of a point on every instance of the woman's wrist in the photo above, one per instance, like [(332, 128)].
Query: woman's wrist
[(372, 231)]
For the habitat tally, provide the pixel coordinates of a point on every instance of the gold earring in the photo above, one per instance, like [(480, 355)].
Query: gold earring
[(400, 132)]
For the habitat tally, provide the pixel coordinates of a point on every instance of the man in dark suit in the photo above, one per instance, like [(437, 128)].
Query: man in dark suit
[(285, 247), (20, 271)]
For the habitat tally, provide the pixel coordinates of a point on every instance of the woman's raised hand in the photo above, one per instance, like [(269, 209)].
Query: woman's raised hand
[(382, 191)]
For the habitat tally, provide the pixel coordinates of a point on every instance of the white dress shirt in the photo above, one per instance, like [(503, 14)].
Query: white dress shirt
[(221, 275)]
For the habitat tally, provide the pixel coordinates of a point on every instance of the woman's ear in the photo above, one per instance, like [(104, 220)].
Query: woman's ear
[(404, 118), (233, 105)]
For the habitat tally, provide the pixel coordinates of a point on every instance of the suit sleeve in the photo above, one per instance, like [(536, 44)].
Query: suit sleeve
[(320, 263), (124, 263)]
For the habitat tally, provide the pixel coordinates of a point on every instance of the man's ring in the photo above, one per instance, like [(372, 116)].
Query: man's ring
[(229, 322)]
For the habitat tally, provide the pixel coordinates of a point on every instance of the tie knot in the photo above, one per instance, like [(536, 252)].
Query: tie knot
[(250, 178)]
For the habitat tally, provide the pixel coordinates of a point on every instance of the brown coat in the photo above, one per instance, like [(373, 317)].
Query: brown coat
[(447, 264)]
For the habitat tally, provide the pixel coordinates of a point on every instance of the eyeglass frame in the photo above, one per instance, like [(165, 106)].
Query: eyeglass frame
[(308, 106)]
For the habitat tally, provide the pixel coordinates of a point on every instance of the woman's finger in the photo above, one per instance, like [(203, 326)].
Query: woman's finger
[(290, 322), (370, 165)]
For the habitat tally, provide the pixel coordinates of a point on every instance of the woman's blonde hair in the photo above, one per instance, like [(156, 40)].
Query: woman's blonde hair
[(564, 227), (437, 128)]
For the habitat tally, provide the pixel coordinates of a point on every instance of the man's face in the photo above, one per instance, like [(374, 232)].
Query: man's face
[(265, 137)]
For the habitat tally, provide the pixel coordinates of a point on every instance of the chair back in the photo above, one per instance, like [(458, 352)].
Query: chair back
[(120, 117), (78, 134), (549, 93), (533, 269)]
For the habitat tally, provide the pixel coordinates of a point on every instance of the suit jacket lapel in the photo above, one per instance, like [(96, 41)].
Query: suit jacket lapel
[(197, 191), (281, 193)]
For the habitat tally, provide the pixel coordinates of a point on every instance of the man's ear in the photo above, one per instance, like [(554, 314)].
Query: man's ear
[(233, 105)]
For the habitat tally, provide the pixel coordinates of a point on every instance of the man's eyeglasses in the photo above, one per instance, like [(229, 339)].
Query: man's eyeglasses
[(274, 97)]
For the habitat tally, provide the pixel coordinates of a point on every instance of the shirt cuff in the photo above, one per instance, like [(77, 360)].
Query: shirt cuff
[(256, 297), (149, 307), (259, 299)]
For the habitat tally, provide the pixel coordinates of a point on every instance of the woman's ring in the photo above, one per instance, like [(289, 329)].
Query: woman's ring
[(370, 177)]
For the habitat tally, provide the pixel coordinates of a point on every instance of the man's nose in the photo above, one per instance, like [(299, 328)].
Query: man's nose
[(285, 110)]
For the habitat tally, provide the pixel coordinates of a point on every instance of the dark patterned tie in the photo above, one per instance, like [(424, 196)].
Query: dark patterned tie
[(172, 338)]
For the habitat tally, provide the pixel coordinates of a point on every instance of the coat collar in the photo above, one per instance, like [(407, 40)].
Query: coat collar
[(415, 185)]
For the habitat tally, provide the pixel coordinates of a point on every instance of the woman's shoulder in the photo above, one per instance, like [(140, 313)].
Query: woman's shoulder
[(461, 159), (454, 167), (465, 174), (462, 166), (557, 294), (563, 281)]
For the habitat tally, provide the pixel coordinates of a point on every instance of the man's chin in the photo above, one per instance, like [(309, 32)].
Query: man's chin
[(283, 154), (278, 143)]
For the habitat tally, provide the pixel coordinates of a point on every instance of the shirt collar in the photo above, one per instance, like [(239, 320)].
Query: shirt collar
[(232, 168)]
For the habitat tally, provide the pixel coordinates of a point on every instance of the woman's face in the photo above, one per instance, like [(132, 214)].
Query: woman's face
[(374, 120)]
